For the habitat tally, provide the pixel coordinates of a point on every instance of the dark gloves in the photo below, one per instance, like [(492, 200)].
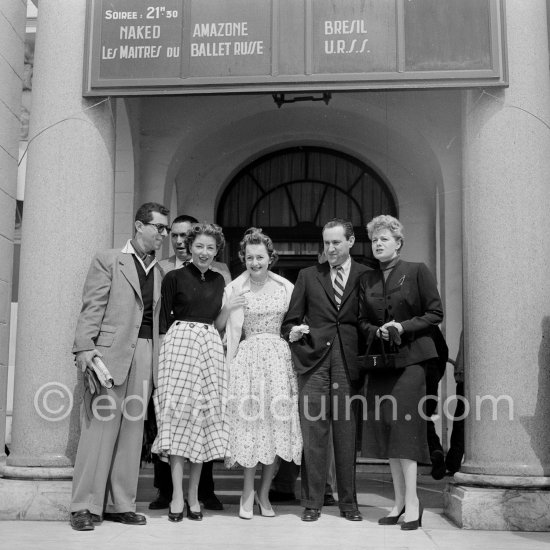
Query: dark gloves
[(395, 339)]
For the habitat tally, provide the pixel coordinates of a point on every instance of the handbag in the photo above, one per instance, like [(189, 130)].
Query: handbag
[(378, 362)]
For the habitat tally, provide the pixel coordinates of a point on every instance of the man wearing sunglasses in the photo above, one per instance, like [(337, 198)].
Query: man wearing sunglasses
[(118, 322)]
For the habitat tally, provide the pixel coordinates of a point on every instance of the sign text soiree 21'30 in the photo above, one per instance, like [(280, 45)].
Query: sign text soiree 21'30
[(151, 12)]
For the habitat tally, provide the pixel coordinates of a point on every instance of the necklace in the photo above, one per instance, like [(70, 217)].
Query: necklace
[(258, 283), (201, 272)]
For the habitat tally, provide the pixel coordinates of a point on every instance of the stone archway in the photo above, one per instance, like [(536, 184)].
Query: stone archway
[(292, 192)]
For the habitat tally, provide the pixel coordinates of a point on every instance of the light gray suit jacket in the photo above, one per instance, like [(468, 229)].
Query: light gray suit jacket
[(112, 311)]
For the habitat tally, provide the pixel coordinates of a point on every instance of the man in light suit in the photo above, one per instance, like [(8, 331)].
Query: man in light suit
[(162, 475), (322, 327), (119, 322)]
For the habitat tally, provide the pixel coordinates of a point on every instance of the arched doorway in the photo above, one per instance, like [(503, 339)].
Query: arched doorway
[(291, 193)]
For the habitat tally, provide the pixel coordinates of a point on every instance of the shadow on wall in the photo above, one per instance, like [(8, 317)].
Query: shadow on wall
[(538, 425)]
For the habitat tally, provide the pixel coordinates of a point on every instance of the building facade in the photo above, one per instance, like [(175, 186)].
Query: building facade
[(466, 170)]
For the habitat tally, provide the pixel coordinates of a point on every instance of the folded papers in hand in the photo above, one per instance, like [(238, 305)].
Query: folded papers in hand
[(98, 376)]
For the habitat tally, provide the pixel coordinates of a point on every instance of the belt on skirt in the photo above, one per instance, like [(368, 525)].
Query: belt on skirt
[(196, 320)]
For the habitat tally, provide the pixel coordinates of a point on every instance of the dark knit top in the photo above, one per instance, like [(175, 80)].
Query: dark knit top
[(146, 284), (190, 295)]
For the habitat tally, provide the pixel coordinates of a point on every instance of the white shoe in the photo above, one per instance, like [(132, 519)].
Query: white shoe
[(266, 512), (243, 514)]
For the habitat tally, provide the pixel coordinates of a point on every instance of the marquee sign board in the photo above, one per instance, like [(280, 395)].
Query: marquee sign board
[(156, 47)]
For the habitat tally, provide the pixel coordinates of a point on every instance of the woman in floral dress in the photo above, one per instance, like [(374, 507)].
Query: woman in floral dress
[(262, 410)]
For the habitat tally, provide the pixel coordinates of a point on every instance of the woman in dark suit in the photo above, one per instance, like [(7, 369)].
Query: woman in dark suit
[(398, 301)]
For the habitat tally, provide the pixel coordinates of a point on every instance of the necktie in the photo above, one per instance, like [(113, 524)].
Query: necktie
[(338, 285)]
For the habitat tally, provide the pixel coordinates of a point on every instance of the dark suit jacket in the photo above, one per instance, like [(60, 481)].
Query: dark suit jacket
[(112, 311), (410, 297), (313, 304)]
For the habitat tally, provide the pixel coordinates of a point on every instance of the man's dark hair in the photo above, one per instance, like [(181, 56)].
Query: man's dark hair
[(185, 218), (144, 213), (347, 225)]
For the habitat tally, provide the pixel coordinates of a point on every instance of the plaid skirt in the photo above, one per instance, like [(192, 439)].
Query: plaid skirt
[(191, 395)]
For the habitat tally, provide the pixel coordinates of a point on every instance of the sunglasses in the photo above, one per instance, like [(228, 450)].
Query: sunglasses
[(160, 227)]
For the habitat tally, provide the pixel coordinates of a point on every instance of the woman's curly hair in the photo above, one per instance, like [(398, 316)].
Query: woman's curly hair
[(255, 235), (210, 229)]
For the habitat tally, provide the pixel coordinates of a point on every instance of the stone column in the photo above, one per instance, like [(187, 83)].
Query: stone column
[(68, 216), (12, 41), (505, 479)]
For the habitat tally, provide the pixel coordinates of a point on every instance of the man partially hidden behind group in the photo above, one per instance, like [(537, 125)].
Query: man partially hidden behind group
[(119, 322), (162, 476)]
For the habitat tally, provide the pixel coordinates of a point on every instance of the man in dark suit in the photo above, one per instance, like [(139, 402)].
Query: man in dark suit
[(321, 325), (119, 321)]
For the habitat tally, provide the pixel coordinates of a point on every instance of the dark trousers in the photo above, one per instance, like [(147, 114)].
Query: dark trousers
[(433, 376), (324, 402), (163, 479), (287, 475), (453, 461)]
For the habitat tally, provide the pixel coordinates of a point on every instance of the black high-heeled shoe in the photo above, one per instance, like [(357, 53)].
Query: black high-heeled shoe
[(415, 524), (196, 516), (391, 520), (174, 517)]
